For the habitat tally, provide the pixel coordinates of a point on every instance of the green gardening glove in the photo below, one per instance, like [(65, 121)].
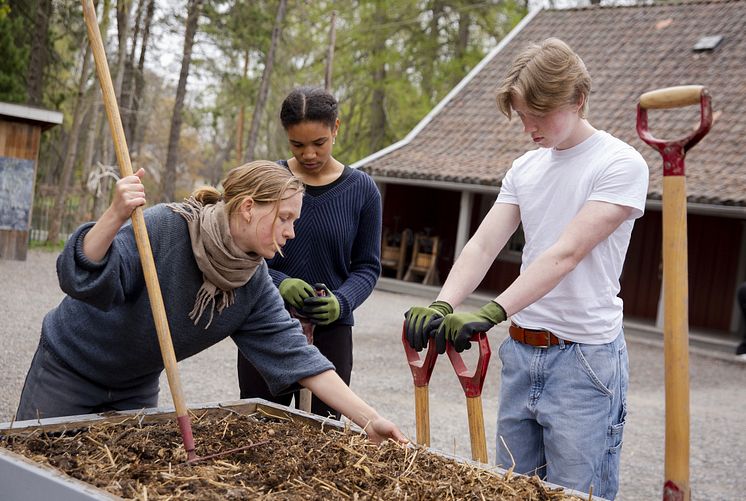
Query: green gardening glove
[(458, 328), (323, 308), (421, 322), (294, 291)]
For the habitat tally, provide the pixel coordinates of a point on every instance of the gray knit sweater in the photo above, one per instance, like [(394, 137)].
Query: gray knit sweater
[(104, 330)]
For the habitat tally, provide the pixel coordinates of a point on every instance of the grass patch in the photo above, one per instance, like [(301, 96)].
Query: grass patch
[(46, 246)]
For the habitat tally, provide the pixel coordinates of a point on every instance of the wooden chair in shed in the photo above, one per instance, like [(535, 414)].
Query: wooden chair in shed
[(394, 256), (424, 260)]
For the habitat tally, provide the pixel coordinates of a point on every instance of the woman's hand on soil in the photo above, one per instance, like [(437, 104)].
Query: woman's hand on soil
[(381, 429)]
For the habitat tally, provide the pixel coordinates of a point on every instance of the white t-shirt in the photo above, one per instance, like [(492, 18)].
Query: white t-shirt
[(550, 187)]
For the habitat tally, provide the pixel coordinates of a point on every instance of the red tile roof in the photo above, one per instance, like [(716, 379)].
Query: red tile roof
[(628, 51)]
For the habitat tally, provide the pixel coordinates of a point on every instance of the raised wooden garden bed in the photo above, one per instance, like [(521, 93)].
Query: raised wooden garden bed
[(295, 457)]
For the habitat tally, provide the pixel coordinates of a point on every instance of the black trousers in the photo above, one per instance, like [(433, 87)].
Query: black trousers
[(333, 341)]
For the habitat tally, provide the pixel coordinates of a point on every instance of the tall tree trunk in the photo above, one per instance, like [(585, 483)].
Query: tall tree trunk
[(135, 133), (378, 110), (242, 112), (428, 87), (99, 135), (462, 43), (107, 146), (168, 181), (215, 173), (53, 235), (377, 105), (128, 83), (39, 55), (261, 100), (330, 52), (97, 131), (123, 28), (84, 214)]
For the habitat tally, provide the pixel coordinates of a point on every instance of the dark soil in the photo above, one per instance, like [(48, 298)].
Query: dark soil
[(289, 460)]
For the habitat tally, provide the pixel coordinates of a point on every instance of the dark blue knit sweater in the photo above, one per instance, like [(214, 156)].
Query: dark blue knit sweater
[(337, 241), (103, 329)]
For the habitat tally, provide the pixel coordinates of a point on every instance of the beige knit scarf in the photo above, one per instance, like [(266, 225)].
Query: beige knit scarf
[(224, 266)]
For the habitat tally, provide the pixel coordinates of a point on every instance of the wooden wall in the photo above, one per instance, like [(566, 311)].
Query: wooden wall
[(713, 243), (714, 246), (18, 141), (642, 274)]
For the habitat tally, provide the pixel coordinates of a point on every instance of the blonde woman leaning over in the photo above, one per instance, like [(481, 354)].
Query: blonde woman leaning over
[(98, 349)]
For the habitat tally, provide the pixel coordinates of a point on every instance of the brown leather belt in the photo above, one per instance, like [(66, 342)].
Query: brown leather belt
[(533, 337)]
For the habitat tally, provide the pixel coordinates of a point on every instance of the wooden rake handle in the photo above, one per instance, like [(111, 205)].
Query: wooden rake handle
[(138, 225)]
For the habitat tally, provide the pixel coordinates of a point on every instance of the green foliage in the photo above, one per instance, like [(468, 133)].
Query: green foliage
[(394, 60), (67, 40), (13, 55)]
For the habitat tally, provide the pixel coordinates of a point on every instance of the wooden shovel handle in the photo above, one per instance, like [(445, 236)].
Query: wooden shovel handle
[(304, 395), (472, 382), (476, 429), (138, 221), (422, 414), (676, 339), (671, 97)]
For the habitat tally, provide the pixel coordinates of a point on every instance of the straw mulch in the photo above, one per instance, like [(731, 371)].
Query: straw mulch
[(288, 460)]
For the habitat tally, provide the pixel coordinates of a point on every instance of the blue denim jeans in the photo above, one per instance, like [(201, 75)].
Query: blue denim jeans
[(53, 389), (562, 412)]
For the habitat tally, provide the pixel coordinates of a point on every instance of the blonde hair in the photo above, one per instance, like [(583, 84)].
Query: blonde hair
[(546, 75), (264, 181)]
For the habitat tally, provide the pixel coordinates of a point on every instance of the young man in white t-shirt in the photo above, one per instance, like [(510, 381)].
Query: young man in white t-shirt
[(565, 368)]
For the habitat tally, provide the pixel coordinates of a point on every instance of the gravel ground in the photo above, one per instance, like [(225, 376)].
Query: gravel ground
[(381, 376)]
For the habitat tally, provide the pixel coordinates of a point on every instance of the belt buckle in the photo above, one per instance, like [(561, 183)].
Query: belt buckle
[(549, 340)]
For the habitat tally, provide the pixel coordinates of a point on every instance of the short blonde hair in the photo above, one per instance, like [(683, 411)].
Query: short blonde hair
[(546, 75)]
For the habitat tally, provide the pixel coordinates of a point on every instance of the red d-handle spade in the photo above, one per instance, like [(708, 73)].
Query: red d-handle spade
[(674, 151), (675, 282), (472, 384), (422, 369)]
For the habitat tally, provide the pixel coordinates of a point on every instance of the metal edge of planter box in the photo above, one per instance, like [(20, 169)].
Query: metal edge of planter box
[(22, 479)]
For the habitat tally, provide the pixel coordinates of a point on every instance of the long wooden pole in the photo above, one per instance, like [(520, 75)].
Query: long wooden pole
[(676, 333), (141, 232), (675, 278)]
